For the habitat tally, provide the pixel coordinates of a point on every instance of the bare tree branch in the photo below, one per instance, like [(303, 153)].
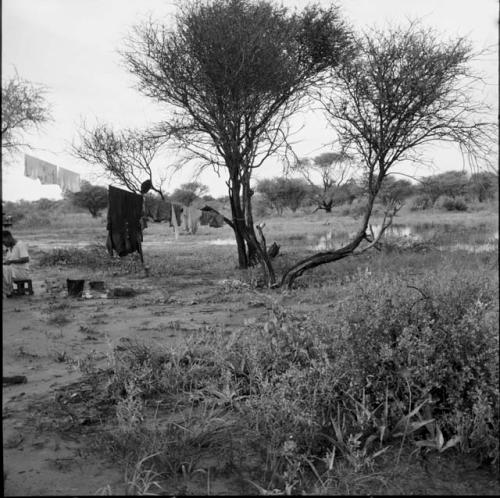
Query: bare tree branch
[(126, 156), (404, 88), (24, 109)]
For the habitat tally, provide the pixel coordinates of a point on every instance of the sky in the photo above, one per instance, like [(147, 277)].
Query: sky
[(71, 48)]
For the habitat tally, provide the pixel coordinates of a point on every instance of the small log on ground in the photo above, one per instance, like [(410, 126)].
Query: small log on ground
[(14, 379)]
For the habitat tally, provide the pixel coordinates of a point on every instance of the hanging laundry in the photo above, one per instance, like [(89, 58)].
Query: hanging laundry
[(157, 209), (161, 210), (124, 222), (211, 219), (68, 180), (37, 169), (177, 209), (191, 217), (174, 224)]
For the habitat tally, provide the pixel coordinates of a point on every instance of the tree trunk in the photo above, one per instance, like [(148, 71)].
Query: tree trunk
[(329, 256), (257, 251), (250, 251), (238, 222)]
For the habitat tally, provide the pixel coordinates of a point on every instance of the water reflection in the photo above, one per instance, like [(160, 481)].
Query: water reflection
[(479, 238), (222, 242)]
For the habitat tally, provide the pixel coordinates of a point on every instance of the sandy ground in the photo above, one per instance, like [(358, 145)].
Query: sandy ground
[(44, 337)]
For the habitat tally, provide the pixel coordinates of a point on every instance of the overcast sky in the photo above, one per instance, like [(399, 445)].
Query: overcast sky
[(71, 47)]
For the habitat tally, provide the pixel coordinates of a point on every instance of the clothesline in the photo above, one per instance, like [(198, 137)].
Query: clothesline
[(51, 174)]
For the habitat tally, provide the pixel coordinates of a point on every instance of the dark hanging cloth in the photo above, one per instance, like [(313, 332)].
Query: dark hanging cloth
[(124, 222), (178, 214), (160, 210), (211, 219)]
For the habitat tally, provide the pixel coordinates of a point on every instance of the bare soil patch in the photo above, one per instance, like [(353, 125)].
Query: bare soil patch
[(49, 336)]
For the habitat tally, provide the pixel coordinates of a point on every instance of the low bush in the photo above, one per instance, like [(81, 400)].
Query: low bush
[(94, 256), (391, 360), (358, 209), (453, 204), (33, 220), (420, 203)]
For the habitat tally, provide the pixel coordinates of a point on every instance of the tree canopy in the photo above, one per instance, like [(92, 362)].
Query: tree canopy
[(187, 193), (91, 197), (125, 155), (232, 72), (281, 192), (24, 109), (333, 170)]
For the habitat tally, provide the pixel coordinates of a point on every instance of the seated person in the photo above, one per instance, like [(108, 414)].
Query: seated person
[(15, 263)]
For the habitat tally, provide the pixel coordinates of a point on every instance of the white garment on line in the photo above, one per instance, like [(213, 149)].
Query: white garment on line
[(68, 180), (37, 169)]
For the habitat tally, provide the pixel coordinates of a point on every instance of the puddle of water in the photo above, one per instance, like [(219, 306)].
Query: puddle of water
[(481, 239), (470, 247), (222, 242), (331, 241)]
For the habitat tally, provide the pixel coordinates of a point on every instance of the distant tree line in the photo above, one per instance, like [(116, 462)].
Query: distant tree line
[(450, 190), (281, 193)]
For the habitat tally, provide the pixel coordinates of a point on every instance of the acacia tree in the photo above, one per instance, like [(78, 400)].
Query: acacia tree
[(395, 190), (187, 193), (484, 185), (283, 192), (91, 197), (126, 155), (403, 89), (233, 72), (24, 109), (449, 183), (334, 169)]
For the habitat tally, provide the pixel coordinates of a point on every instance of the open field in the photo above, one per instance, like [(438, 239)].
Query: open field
[(203, 382)]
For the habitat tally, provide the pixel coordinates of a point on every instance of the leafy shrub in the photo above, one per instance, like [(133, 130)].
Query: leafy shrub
[(95, 256), (420, 203), (261, 206), (35, 220), (358, 209), (40, 213), (453, 204), (299, 384)]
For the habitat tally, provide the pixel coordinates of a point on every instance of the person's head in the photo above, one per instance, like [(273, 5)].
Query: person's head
[(7, 239)]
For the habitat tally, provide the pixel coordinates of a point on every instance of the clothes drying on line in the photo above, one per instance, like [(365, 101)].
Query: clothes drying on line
[(68, 180), (37, 169), (50, 174)]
